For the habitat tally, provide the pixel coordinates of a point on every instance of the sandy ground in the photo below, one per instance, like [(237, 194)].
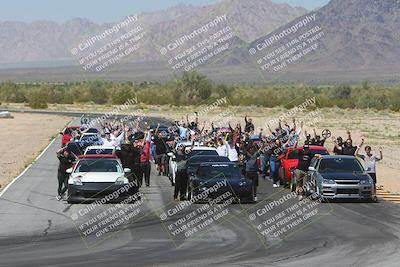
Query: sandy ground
[(380, 128), (23, 138)]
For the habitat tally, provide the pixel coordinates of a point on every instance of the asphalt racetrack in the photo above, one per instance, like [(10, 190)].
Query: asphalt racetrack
[(38, 230)]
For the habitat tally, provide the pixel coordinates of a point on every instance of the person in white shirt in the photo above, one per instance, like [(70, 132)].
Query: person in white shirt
[(370, 160), (232, 152), (222, 148), (114, 139)]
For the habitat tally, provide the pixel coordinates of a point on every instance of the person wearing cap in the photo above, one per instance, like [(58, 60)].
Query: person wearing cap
[(67, 160), (300, 174)]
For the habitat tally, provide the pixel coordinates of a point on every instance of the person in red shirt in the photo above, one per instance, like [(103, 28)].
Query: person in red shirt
[(145, 157)]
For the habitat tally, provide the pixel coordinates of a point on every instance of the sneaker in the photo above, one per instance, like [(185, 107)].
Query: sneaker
[(58, 197), (275, 185), (300, 197), (255, 198)]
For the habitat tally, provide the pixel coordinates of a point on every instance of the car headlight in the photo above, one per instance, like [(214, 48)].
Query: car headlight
[(367, 181), (120, 181), (242, 183), (328, 181), (77, 180)]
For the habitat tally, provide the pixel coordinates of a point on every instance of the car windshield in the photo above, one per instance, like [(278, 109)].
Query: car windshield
[(340, 165), (98, 165), (99, 151), (226, 171)]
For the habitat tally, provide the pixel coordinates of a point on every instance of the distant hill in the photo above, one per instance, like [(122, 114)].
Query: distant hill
[(46, 41), (359, 36)]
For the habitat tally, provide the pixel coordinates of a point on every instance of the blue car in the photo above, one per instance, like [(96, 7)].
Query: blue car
[(213, 179)]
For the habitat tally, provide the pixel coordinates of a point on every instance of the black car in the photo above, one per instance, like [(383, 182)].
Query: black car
[(79, 147), (92, 130), (193, 163), (217, 178)]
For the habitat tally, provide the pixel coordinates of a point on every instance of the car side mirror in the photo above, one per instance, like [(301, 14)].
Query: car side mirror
[(311, 169), (127, 170), (69, 171)]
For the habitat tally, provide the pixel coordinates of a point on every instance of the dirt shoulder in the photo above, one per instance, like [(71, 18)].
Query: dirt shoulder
[(23, 138)]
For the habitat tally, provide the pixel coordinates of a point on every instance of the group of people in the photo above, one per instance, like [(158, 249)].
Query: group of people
[(138, 148)]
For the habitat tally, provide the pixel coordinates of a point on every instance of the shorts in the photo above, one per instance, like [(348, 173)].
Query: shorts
[(373, 176), (301, 177), (160, 159)]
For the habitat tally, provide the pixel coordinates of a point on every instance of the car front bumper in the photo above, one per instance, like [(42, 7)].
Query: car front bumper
[(340, 191), (242, 194), (106, 192)]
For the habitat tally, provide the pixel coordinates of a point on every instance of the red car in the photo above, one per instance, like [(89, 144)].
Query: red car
[(66, 134), (289, 162)]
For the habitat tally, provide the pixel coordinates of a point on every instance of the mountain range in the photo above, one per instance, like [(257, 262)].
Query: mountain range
[(360, 42), (47, 41)]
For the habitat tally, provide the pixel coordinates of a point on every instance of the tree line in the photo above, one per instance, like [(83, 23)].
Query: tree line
[(193, 88)]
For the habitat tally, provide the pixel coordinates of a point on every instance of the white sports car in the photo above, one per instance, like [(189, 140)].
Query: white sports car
[(99, 176)]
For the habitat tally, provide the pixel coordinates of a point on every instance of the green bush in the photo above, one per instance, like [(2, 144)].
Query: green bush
[(38, 99), (193, 88)]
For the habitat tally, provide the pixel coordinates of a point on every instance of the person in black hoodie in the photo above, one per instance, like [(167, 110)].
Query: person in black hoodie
[(67, 160), (129, 157)]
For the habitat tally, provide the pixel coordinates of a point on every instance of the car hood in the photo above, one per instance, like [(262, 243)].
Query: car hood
[(345, 176), (98, 177)]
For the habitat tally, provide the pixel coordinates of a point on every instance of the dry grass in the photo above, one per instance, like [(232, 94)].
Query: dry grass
[(22, 139)]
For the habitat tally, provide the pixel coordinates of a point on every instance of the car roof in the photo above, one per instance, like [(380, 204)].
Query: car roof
[(97, 156), (84, 134), (312, 147), (186, 143), (336, 157), (206, 156), (99, 147), (204, 148), (203, 164)]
